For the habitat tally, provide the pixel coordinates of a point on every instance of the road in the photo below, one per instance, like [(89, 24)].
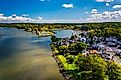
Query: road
[(115, 58)]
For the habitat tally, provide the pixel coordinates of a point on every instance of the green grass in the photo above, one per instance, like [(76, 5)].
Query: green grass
[(66, 66)]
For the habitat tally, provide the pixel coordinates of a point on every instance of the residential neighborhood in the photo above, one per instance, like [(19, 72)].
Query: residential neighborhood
[(66, 50)]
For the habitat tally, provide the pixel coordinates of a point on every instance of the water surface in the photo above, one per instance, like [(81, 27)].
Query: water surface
[(24, 56)]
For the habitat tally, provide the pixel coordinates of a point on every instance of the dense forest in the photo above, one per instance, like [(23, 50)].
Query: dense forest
[(95, 29), (83, 26)]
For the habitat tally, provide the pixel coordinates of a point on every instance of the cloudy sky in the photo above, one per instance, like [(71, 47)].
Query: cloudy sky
[(51, 11)]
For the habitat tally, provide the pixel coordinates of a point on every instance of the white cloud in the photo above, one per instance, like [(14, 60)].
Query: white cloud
[(107, 4), (14, 18), (68, 5), (25, 15), (117, 6), (104, 0), (23, 19), (20, 18), (106, 16), (13, 15), (94, 11), (40, 18), (1, 14)]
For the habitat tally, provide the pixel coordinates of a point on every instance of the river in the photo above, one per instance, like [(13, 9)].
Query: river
[(24, 56)]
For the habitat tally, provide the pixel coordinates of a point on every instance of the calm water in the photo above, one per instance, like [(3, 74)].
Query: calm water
[(24, 56)]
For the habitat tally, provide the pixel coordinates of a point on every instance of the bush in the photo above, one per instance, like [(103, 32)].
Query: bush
[(53, 38), (63, 49), (80, 46)]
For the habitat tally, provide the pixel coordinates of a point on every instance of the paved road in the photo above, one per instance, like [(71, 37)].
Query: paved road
[(115, 58)]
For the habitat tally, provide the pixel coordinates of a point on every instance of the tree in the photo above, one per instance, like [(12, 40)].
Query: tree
[(72, 47), (80, 46), (93, 64), (63, 49), (53, 38), (93, 67), (114, 71)]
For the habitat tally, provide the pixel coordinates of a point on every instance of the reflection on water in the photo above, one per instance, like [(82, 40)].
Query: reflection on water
[(24, 56)]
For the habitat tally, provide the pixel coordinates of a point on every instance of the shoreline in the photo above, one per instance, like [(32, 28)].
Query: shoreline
[(29, 62)]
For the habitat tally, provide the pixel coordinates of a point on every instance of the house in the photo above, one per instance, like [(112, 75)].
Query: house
[(93, 51), (111, 39), (108, 39), (95, 38), (83, 39), (111, 44)]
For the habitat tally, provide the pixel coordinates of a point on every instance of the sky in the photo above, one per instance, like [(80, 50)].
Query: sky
[(60, 11)]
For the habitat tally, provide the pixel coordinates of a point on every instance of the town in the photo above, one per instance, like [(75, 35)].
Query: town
[(66, 51)]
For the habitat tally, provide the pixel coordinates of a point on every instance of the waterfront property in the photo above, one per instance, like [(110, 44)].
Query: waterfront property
[(68, 51), (84, 55)]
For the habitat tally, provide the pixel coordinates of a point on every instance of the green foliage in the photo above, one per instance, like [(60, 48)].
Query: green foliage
[(100, 29), (114, 71), (72, 47), (66, 66), (72, 37), (80, 46), (106, 32), (70, 59), (93, 67), (95, 64), (63, 49), (84, 75), (53, 39)]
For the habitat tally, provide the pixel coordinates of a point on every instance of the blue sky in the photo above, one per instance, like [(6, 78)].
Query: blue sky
[(60, 10)]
